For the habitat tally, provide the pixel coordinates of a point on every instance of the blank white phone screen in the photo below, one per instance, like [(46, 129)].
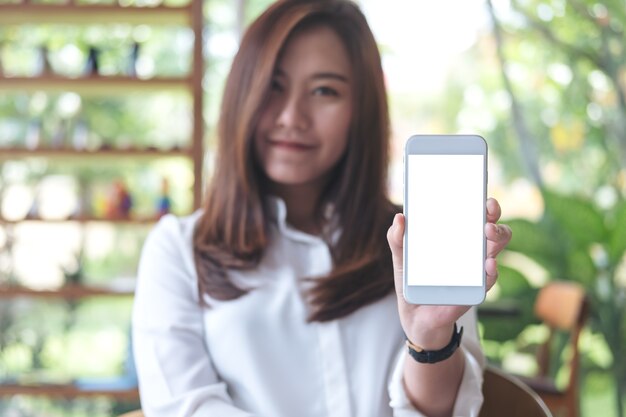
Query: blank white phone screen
[(445, 220)]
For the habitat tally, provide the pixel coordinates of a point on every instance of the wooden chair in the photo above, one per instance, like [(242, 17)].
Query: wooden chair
[(562, 306), (507, 396)]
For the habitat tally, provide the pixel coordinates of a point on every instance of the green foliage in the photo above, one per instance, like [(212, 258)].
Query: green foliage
[(533, 240), (580, 234), (617, 243), (563, 60), (581, 267), (514, 292), (581, 223), (561, 64)]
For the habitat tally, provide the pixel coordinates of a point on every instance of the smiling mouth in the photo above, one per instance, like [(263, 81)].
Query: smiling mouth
[(290, 145)]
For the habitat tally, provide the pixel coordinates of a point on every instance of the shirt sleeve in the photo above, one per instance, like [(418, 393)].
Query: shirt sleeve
[(174, 367), (469, 398)]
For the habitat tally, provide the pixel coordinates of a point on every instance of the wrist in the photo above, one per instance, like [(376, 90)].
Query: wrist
[(425, 355), (432, 339)]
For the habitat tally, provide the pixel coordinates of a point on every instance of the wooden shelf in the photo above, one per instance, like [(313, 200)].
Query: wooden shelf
[(94, 84), (19, 14), (189, 85), (66, 391), (12, 153), (69, 292), (135, 220)]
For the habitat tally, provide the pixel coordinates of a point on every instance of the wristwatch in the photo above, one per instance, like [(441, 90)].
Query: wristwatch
[(434, 356)]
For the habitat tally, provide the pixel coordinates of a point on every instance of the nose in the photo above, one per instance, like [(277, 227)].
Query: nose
[(293, 113)]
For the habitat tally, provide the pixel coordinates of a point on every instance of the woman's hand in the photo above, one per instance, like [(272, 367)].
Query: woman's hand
[(430, 326)]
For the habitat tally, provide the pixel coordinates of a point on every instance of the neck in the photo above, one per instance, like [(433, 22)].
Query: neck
[(301, 201)]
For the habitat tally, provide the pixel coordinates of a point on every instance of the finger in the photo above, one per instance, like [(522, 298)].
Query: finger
[(395, 237), (491, 270), (493, 210), (498, 236)]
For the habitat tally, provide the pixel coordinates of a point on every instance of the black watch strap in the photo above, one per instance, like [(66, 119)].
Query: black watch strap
[(434, 356)]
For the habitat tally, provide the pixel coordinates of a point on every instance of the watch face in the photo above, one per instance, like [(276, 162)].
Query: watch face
[(434, 356)]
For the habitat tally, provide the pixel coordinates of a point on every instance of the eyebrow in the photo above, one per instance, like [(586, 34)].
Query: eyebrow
[(331, 75), (318, 75)]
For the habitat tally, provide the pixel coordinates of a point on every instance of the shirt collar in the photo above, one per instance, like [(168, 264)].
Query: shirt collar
[(278, 213)]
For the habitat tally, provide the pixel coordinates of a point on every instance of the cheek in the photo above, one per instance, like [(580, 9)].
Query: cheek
[(334, 150), (338, 130)]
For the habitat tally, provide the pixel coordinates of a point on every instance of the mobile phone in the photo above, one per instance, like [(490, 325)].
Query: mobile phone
[(445, 194)]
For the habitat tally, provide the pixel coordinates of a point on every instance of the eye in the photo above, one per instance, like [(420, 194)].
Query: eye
[(325, 91)]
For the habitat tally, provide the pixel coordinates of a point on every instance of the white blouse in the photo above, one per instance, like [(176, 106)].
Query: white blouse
[(257, 355)]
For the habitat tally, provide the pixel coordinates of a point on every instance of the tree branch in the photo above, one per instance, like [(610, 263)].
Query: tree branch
[(605, 62), (583, 11), (565, 46), (525, 139)]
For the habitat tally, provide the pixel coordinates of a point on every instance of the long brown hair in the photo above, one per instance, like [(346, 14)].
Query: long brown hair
[(233, 230)]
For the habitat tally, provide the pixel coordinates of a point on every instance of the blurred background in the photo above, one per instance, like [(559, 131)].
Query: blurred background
[(107, 121)]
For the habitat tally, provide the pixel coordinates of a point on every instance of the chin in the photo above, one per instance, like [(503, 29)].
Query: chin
[(289, 177), (289, 180)]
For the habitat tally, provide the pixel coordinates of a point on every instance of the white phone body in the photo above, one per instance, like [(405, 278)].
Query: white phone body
[(445, 194)]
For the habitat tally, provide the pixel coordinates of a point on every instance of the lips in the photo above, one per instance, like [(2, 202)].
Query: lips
[(290, 144)]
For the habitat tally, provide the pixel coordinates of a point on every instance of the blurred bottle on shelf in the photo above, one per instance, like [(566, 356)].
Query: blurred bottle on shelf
[(33, 136), (43, 66), (7, 262), (33, 211), (91, 67), (80, 136), (164, 202), (74, 274), (60, 134), (120, 201), (85, 200), (100, 202), (131, 70)]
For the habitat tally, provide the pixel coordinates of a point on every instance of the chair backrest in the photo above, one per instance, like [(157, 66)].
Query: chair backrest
[(505, 395), (561, 305)]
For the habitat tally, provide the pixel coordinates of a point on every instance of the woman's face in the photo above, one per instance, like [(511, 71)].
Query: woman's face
[(303, 129)]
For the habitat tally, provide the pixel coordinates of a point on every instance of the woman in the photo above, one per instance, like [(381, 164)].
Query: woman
[(276, 299)]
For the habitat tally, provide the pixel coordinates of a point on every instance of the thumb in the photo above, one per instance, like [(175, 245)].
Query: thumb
[(395, 237)]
